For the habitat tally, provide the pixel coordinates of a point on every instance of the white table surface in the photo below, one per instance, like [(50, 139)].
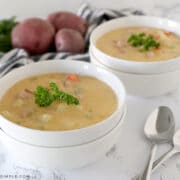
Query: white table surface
[(128, 157)]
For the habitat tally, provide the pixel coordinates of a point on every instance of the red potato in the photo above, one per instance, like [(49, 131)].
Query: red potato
[(35, 35), (69, 40), (67, 20)]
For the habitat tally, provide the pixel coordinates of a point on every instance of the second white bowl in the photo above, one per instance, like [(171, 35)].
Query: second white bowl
[(133, 66), (145, 85)]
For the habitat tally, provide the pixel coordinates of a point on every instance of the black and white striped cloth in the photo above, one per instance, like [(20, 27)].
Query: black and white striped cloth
[(94, 17)]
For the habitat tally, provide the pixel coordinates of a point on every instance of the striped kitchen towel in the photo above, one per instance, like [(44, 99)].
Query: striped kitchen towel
[(94, 17)]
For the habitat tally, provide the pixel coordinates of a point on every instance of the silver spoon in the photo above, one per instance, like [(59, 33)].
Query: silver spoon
[(159, 128), (169, 154)]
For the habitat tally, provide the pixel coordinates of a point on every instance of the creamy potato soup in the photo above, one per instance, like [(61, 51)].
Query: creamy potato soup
[(140, 44), (79, 101)]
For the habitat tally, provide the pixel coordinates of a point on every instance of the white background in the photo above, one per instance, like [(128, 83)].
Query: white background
[(40, 8)]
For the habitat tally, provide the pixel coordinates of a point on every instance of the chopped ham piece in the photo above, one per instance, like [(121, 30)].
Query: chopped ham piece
[(25, 94), (26, 112)]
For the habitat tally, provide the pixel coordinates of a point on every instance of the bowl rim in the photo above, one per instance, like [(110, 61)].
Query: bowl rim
[(113, 61), (133, 73), (120, 106)]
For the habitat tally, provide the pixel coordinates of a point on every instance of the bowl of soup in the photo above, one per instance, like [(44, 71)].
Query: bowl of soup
[(140, 46), (60, 104)]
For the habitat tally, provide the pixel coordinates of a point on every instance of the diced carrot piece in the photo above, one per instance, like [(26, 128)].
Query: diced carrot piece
[(72, 77), (167, 33)]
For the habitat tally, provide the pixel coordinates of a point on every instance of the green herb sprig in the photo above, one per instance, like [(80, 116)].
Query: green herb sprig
[(6, 26), (145, 42), (44, 97)]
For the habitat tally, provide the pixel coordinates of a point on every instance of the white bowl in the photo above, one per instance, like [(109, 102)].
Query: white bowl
[(61, 157), (132, 66), (145, 85), (63, 138), (140, 78)]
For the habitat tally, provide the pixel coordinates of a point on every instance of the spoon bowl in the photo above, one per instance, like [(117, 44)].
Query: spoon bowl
[(159, 128), (160, 125)]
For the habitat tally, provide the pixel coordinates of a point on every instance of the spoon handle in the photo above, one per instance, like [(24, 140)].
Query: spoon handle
[(163, 158), (147, 172)]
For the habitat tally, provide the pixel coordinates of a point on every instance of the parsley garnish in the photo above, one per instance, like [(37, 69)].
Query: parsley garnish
[(145, 42), (44, 97)]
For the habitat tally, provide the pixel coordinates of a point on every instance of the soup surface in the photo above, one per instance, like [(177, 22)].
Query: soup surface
[(119, 43), (97, 101)]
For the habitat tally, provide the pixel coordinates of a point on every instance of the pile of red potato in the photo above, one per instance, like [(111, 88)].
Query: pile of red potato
[(64, 31)]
